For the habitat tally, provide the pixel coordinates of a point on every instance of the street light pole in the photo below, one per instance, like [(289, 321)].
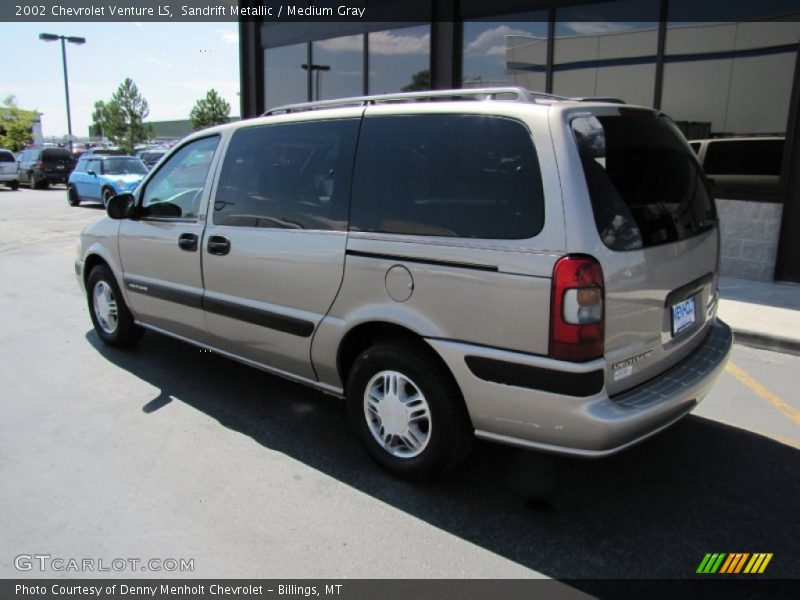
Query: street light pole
[(66, 91), (51, 37), (318, 69)]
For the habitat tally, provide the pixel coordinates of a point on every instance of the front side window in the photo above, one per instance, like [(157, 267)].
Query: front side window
[(289, 176), (95, 166), (124, 166), (471, 176), (177, 188), (644, 181)]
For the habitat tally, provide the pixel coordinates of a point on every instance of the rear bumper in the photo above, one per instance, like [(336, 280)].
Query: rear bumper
[(8, 177), (584, 421)]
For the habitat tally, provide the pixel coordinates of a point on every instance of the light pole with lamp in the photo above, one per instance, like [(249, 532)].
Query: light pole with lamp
[(51, 37), (318, 69)]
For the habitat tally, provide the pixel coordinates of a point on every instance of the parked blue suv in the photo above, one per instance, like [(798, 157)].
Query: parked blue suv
[(98, 177)]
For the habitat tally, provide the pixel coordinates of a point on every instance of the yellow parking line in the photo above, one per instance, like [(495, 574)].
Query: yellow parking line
[(787, 410)]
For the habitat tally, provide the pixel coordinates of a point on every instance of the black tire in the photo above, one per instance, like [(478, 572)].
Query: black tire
[(450, 430), (127, 332), (72, 196), (106, 195), (14, 185)]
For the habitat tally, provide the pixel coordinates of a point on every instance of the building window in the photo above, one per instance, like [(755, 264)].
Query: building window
[(285, 81), (337, 69), (600, 51), (513, 52), (726, 79), (399, 60)]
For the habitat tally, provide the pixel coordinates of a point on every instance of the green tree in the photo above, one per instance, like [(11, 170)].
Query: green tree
[(15, 125), (122, 117), (420, 81), (211, 110)]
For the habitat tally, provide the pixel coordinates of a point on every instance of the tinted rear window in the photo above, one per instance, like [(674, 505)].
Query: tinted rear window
[(645, 184), (470, 176), (6, 156), (744, 157), (56, 154)]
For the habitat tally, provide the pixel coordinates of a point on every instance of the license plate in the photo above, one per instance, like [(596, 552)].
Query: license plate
[(59, 167), (682, 315)]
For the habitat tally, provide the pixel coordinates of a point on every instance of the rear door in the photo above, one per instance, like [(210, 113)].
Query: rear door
[(274, 247), (57, 163), (160, 250), (653, 229)]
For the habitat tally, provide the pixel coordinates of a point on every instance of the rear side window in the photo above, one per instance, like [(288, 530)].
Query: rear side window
[(744, 157), (288, 176), (471, 176), (6, 156), (644, 181)]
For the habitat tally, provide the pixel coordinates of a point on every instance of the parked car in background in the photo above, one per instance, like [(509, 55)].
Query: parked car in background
[(539, 272), (40, 167), (742, 167), (151, 157), (9, 169), (100, 177), (102, 151)]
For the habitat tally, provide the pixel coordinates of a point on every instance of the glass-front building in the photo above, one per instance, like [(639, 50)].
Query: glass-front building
[(731, 86)]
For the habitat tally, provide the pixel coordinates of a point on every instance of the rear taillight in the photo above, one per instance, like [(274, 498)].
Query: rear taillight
[(577, 312)]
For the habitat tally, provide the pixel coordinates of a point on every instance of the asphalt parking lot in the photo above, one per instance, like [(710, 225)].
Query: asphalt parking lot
[(169, 452)]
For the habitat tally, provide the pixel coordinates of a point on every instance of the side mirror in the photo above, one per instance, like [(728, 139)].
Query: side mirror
[(121, 206), (92, 173)]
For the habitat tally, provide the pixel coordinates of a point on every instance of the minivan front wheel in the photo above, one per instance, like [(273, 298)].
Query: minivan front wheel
[(111, 318), (407, 410)]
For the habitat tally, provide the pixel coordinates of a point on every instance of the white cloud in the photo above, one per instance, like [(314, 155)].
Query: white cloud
[(596, 27), (382, 42), (494, 41), (386, 42), (160, 63), (228, 37)]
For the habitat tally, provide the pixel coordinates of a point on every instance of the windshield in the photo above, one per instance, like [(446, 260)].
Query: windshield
[(645, 184), (124, 166)]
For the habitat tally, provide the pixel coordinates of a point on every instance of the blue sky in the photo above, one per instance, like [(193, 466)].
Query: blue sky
[(173, 64)]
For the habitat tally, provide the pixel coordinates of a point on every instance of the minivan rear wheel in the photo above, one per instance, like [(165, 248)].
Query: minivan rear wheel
[(111, 318), (407, 410)]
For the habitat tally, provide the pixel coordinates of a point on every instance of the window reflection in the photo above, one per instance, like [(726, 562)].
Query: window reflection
[(399, 60), (285, 82), (337, 67), (597, 53), (746, 70), (506, 53)]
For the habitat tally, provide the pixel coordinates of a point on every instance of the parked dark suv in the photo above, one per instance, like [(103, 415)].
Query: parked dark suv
[(40, 167)]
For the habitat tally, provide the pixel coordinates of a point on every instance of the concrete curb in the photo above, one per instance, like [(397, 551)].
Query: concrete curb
[(763, 341)]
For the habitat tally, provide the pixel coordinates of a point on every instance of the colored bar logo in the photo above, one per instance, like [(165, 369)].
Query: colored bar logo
[(734, 563)]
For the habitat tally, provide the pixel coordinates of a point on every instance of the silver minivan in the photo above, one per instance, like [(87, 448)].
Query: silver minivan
[(491, 263)]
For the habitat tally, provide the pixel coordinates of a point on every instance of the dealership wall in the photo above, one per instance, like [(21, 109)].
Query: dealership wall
[(723, 79)]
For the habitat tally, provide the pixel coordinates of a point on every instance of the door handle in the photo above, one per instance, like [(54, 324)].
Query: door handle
[(219, 244), (188, 242)]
